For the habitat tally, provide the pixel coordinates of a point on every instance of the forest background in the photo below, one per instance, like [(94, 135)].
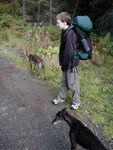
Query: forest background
[(44, 11), (29, 25)]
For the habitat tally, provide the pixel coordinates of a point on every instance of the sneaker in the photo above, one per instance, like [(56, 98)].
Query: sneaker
[(57, 100), (75, 106)]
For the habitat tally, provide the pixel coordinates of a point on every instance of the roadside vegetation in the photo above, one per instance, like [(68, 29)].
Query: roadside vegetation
[(96, 76)]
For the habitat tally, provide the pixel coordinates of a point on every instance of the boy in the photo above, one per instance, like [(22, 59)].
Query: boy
[(67, 62)]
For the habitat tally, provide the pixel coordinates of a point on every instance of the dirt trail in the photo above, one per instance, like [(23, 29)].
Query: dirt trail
[(26, 112)]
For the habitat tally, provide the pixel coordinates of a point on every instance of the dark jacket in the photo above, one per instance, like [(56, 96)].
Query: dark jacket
[(67, 46)]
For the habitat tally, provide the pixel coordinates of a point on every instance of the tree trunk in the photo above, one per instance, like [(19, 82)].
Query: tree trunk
[(14, 6), (65, 5), (39, 11), (75, 10), (50, 12), (23, 8)]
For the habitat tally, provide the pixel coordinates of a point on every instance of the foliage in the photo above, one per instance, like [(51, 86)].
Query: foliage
[(4, 35), (48, 52), (104, 24), (7, 20), (100, 11), (9, 7), (54, 33), (101, 2), (30, 1), (106, 42), (98, 8), (94, 37)]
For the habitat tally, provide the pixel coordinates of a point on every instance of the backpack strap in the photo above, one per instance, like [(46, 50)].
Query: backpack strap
[(68, 29)]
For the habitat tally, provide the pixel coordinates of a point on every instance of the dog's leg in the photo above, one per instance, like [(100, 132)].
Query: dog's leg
[(30, 65), (39, 69), (34, 67), (44, 71), (72, 140)]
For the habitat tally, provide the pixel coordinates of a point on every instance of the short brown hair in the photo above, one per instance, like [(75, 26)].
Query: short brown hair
[(64, 17)]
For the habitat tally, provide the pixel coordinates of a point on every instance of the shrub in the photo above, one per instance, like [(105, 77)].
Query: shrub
[(54, 33), (48, 52), (10, 20), (94, 37), (9, 8), (4, 35), (106, 42)]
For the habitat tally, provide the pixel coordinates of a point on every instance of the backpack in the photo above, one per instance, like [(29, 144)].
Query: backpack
[(82, 25)]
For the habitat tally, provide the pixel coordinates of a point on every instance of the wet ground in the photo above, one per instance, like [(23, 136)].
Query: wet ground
[(26, 112)]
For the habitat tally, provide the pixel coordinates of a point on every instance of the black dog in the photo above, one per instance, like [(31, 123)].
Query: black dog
[(79, 134)]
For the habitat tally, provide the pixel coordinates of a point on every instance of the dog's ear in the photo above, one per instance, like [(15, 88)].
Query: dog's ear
[(64, 109)]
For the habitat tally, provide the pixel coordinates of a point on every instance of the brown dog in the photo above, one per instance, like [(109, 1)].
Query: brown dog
[(36, 60)]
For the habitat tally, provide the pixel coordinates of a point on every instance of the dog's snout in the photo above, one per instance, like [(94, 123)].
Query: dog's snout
[(53, 121)]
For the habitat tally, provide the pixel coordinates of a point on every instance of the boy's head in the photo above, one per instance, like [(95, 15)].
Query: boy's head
[(63, 20)]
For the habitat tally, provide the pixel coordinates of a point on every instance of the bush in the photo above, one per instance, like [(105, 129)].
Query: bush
[(94, 37), (48, 52), (7, 20), (54, 33), (9, 8), (4, 35), (106, 42)]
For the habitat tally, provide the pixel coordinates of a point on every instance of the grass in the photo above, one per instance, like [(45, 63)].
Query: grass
[(96, 95)]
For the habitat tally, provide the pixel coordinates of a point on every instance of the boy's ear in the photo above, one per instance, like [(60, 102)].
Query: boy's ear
[(65, 23)]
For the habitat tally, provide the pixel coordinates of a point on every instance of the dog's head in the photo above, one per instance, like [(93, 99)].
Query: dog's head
[(59, 116)]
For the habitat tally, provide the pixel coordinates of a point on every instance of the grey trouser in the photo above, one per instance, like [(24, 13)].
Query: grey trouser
[(70, 80)]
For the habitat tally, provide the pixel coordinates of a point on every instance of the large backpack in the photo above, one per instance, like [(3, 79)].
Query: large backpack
[(82, 25)]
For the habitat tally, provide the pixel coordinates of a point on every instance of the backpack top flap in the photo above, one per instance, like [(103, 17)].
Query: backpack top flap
[(84, 22)]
